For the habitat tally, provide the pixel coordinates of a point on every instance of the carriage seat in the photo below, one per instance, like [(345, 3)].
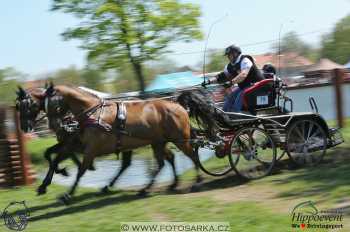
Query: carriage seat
[(260, 95)]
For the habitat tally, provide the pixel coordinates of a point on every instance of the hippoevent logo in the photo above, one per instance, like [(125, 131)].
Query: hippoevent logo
[(306, 216), (16, 215)]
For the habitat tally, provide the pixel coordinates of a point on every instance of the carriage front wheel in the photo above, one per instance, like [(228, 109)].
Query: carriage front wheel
[(211, 164), (306, 142), (253, 153)]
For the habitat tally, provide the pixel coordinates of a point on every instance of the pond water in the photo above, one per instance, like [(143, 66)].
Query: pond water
[(137, 174)]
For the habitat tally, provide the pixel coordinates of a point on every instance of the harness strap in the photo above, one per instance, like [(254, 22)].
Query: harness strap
[(87, 113), (120, 122)]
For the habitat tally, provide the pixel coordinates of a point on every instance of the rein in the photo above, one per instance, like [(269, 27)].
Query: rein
[(87, 113)]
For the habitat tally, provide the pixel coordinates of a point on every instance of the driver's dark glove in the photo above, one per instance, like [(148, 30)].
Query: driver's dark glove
[(227, 84), (205, 83)]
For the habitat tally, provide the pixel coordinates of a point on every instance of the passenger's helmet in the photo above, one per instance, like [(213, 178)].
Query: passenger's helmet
[(231, 49), (269, 68)]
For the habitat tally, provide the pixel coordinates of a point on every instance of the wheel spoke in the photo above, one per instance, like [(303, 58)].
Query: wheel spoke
[(309, 131), (299, 134), (258, 158), (312, 148)]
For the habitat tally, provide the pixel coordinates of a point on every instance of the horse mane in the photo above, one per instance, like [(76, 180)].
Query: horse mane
[(36, 92), (202, 108), (71, 89)]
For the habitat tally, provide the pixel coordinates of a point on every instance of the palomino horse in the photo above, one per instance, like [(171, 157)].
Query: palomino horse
[(155, 122)]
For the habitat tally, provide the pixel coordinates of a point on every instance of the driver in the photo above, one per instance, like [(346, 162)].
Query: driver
[(240, 70)]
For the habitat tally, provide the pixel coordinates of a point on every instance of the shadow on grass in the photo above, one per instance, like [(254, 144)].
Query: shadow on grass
[(112, 199), (331, 174), (72, 209), (76, 199)]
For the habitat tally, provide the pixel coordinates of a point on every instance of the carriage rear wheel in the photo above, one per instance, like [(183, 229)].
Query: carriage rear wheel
[(211, 164), (253, 153), (306, 142)]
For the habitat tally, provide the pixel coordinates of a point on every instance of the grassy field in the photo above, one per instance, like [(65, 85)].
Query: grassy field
[(261, 205)]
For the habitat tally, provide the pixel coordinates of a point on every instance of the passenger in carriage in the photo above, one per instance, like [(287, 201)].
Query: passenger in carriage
[(269, 71), (240, 70)]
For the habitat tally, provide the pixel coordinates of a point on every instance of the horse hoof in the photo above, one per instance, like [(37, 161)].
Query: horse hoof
[(92, 168), (65, 199), (105, 190), (195, 188), (142, 193), (172, 187), (199, 179), (64, 172), (41, 190)]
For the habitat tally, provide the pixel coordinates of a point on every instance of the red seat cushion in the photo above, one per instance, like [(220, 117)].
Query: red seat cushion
[(251, 89)]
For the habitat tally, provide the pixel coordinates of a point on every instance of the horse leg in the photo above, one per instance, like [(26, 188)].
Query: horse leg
[(47, 180), (87, 161), (57, 148), (188, 150), (158, 150), (169, 156), (126, 162), (64, 155), (78, 163)]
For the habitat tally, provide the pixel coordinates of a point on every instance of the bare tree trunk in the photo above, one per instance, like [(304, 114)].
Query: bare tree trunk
[(139, 74)]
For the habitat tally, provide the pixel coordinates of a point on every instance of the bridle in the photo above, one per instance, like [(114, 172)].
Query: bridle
[(55, 108), (29, 110)]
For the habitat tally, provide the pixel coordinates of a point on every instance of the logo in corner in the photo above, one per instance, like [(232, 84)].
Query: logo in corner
[(16, 215), (306, 216), (307, 207)]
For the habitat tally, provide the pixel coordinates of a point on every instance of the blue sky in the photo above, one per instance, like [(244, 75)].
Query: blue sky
[(31, 42)]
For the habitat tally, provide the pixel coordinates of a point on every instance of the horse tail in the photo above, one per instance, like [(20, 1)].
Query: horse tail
[(200, 105), (201, 108)]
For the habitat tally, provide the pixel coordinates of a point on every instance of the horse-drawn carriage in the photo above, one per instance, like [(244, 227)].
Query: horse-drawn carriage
[(251, 142), (248, 143)]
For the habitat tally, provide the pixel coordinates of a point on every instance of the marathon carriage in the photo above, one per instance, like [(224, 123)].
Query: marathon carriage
[(250, 143)]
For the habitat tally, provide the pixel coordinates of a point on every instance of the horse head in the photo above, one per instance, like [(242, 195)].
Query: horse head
[(55, 107), (29, 103)]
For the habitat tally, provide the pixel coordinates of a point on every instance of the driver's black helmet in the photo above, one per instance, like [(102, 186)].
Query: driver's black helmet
[(232, 48)]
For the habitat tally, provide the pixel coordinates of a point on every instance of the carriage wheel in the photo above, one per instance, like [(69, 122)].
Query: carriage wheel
[(306, 142), (253, 153), (211, 164)]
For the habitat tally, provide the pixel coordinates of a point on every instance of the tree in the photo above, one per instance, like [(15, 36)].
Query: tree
[(336, 45), (126, 80), (291, 42), (216, 61), (70, 75), (8, 84), (115, 32), (93, 78)]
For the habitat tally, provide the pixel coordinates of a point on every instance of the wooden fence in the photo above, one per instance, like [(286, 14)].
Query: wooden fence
[(15, 167)]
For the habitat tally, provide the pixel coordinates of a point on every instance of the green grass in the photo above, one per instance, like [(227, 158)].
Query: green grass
[(93, 212), (36, 148)]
